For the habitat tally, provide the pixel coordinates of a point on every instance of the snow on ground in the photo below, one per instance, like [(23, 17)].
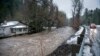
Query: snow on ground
[(98, 25), (87, 41), (35, 45), (79, 31), (73, 39), (91, 48), (87, 48), (86, 51)]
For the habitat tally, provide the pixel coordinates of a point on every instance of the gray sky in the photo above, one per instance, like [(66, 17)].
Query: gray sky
[(66, 5)]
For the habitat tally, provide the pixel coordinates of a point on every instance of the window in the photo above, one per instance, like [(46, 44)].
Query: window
[(13, 30), (18, 29), (24, 29)]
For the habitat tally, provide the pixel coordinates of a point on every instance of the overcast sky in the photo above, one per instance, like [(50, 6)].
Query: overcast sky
[(66, 5)]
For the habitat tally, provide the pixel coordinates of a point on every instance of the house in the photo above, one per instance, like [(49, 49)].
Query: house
[(10, 28)]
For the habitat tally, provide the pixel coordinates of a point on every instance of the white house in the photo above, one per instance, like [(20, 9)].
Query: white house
[(11, 28)]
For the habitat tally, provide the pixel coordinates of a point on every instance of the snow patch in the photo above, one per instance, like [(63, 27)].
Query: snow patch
[(79, 31), (72, 40), (98, 25), (86, 51), (87, 40)]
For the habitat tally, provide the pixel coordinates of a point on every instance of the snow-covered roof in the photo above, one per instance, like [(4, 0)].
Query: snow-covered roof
[(14, 24), (20, 26), (10, 23)]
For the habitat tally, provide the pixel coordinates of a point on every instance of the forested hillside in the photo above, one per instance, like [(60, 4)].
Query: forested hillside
[(35, 13), (91, 16)]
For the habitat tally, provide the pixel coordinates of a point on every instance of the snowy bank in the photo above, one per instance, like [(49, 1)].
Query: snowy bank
[(73, 39)]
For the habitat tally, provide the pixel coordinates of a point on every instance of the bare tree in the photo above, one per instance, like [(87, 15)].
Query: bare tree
[(76, 12)]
